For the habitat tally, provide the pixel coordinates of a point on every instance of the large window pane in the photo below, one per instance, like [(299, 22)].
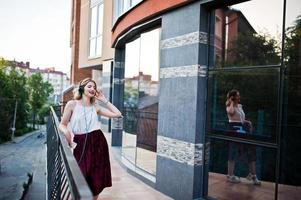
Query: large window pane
[(96, 27), (100, 19), (290, 176), (244, 159), (141, 100), (248, 34), (258, 90), (132, 52), (99, 45), (92, 47), (93, 21), (148, 101)]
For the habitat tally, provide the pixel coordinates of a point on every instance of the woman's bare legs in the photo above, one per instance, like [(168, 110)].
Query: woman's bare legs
[(95, 197), (252, 173), (231, 165), (252, 167), (231, 177)]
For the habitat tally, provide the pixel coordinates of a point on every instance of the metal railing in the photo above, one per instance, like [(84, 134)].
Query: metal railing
[(64, 178)]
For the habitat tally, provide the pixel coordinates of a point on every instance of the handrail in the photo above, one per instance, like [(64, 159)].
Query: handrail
[(64, 178)]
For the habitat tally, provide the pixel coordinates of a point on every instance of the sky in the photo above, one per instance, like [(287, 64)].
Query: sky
[(37, 31), (266, 16)]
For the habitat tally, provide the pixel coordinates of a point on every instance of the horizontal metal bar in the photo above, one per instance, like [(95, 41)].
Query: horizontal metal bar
[(242, 140)]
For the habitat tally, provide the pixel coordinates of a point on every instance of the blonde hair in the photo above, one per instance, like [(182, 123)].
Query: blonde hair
[(78, 94)]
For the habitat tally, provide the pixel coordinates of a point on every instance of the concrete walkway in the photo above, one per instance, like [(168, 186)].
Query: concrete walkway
[(125, 186), (25, 155)]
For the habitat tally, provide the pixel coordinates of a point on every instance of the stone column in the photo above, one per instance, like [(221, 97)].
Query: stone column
[(182, 102), (106, 86), (118, 90)]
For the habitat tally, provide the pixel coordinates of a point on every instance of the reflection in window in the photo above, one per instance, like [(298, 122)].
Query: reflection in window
[(243, 38), (141, 100), (259, 93), (132, 49), (290, 167), (219, 186)]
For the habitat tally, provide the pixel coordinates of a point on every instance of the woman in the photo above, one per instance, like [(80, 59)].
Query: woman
[(82, 131), (239, 125)]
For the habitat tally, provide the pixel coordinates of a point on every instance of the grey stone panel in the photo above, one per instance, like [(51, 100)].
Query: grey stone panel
[(118, 72), (181, 21), (198, 182), (203, 58), (201, 108), (116, 137), (183, 71), (177, 117), (182, 40), (174, 179), (180, 56), (180, 151)]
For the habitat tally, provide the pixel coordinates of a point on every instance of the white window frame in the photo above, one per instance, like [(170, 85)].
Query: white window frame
[(96, 38)]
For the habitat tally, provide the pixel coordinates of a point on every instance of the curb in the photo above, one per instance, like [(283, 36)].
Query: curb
[(26, 185), (27, 135)]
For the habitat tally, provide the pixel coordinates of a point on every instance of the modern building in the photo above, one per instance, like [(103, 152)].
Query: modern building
[(169, 71), (92, 55), (59, 80)]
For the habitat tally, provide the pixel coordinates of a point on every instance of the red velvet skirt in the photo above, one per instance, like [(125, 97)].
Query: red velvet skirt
[(95, 160)]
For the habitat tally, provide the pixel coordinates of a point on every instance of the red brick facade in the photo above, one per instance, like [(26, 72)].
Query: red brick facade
[(77, 73)]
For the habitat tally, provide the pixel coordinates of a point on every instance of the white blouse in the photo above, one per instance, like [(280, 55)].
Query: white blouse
[(84, 119), (238, 116)]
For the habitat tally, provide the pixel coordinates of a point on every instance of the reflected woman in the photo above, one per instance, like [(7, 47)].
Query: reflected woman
[(238, 124)]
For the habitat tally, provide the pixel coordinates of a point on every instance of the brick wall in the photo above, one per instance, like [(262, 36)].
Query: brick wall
[(77, 74)]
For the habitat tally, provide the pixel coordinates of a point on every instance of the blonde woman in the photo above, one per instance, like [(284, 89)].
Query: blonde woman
[(82, 131)]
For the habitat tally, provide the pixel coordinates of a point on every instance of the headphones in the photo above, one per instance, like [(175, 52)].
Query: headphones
[(81, 89)]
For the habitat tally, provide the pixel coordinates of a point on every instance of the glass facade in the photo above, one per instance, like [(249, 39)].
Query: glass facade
[(122, 6), (141, 92), (290, 163), (253, 52)]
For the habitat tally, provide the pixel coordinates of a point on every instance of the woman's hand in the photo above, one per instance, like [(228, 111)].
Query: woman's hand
[(100, 96), (249, 125)]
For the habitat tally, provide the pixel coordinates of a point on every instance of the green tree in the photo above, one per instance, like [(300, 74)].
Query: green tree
[(250, 49), (12, 83), (39, 92), (44, 111)]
